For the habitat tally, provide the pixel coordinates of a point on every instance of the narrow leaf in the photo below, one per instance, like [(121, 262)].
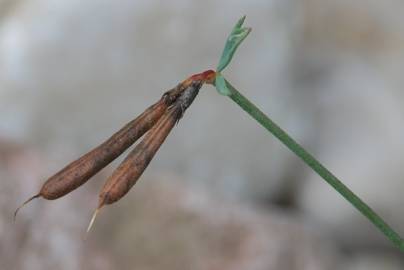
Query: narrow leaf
[(237, 35)]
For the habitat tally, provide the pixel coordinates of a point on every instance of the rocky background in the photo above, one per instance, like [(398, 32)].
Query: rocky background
[(221, 193)]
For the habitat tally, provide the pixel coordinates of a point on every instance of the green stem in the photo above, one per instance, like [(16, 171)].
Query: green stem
[(267, 123)]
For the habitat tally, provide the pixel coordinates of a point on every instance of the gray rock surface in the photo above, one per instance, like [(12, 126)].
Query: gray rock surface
[(160, 224), (357, 107)]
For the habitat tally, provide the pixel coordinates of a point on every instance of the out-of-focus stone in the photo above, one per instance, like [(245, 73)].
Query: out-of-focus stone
[(374, 261), (46, 234), (162, 224), (360, 142), (356, 111)]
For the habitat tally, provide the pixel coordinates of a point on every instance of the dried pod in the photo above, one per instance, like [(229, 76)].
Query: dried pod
[(81, 170), (129, 171)]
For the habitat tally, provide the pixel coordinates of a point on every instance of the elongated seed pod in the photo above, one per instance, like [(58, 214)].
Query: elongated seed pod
[(129, 171), (81, 170)]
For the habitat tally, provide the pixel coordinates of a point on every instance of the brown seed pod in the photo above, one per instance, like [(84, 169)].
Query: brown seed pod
[(129, 171), (81, 170)]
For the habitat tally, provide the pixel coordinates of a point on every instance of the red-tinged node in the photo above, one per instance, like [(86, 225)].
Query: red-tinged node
[(207, 76)]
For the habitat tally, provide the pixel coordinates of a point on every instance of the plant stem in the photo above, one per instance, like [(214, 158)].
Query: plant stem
[(272, 127)]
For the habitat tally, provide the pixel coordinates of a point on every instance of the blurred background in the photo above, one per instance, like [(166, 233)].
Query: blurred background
[(221, 193)]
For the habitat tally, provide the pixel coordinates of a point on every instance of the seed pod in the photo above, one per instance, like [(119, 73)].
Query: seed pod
[(81, 170), (129, 171)]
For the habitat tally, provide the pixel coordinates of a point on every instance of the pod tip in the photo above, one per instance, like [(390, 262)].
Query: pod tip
[(92, 220), (22, 205)]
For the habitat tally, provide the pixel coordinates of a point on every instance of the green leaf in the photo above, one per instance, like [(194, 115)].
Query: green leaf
[(237, 35)]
